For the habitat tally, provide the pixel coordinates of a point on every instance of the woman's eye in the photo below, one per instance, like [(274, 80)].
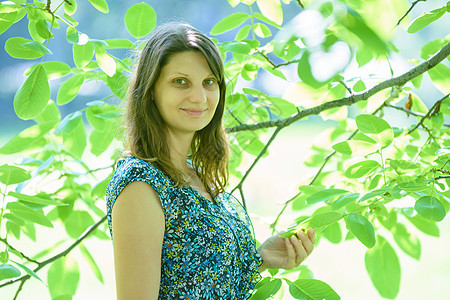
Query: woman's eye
[(180, 81), (209, 82)]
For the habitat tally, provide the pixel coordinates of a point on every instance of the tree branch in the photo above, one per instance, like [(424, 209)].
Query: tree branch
[(429, 113), (21, 253), (409, 10), (88, 232), (264, 150), (396, 81), (408, 111)]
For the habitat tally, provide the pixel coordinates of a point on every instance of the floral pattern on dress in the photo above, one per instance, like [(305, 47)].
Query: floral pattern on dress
[(208, 250)]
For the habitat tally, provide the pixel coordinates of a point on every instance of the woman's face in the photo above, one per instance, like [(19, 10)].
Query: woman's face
[(186, 93)]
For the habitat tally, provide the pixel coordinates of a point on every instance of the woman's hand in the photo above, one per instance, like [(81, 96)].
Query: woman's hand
[(286, 253)]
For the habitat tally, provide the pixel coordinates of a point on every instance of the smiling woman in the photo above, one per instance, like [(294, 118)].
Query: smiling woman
[(176, 233)]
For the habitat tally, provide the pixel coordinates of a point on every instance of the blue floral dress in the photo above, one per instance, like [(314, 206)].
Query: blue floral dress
[(208, 249)]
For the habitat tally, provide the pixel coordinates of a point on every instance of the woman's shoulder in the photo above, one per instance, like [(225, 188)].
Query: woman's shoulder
[(131, 169)]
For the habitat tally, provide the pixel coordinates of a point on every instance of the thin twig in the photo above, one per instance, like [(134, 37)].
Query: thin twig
[(264, 150), (396, 81), (21, 253), (300, 3), (442, 177), (19, 289), (325, 162), (87, 233), (428, 114), (346, 87), (409, 10), (408, 111)]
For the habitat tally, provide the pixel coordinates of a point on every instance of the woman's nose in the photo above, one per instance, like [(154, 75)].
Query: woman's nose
[(198, 95)]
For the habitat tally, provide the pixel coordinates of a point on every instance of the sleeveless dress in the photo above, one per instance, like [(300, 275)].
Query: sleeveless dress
[(208, 249)]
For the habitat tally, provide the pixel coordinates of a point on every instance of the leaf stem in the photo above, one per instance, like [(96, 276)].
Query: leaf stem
[(253, 21)]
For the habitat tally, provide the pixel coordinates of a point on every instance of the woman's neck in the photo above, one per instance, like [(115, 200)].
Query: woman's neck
[(179, 150)]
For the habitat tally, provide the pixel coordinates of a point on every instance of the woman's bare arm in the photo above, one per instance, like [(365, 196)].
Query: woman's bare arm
[(138, 229)]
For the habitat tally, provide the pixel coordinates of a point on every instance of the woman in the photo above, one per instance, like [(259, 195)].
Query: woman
[(176, 234)]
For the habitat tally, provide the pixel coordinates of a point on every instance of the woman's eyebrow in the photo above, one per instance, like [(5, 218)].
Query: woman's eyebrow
[(187, 75)]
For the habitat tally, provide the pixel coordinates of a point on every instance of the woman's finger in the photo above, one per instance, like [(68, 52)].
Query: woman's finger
[(291, 256), (300, 250), (306, 241), (312, 235)]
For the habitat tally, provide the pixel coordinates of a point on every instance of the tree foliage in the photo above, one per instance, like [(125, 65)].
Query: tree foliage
[(373, 180)]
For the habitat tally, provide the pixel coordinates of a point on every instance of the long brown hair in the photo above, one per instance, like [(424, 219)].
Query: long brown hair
[(146, 130)]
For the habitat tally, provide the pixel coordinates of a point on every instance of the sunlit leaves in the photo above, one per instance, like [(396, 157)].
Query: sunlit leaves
[(105, 61), (355, 147), (77, 222), (375, 128), (27, 138), (383, 267), (325, 195), (407, 241), (8, 271), (140, 19), (430, 208), (35, 199), (266, 288), (100, 5), (32, 97), (69, 89), (63, 277), (82, 54), (12, 174), (271, 9), (426, 19), (361, 169), (28, 214), (312, 289), (361, 228), (19, 47), (229, 22), (90, 260)]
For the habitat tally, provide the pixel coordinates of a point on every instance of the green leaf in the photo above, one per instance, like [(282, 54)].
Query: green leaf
[(118, 84), (140, 19), (35, 199), (8, 271), (70, 7), (325, 195), (229, 22), (32, 97), (77, 223), (69, 89), (95, 116), (425, 19), (100, 5), (243, 32), (312, 289), (262, 30), (28, 214), (8, 16), (43, 29), (75, 141), (99, 190), (333, 233), (407, 241), (361, 168), (375, 193), (440, 75), (28, 271), (12, 174), (361, 228), (25, 140), (266, 20), (69, 123), (100, 140), (270, 288), (424, 225), (318, 222), (50, 115), (430, 48), (271, 9), (22, 48), (383, 267), (376, 128), (63, 277), (119, 44), (359, 86), (82, 54), (90, 260), (355, 148), (430, 208), (55, 69), (105, 61), (344, 200), (241, 47)]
